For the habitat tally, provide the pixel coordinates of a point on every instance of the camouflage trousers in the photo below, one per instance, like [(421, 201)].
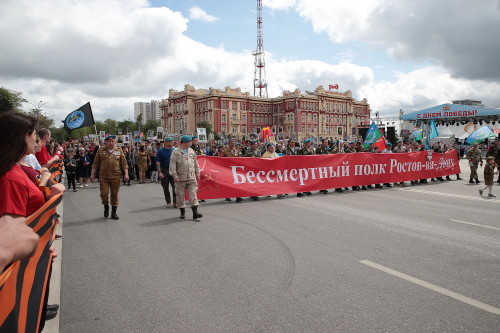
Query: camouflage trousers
[(106, 185), (473, 171), (180, 192)]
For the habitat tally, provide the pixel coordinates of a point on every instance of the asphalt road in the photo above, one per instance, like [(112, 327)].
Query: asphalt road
[(424, 258)]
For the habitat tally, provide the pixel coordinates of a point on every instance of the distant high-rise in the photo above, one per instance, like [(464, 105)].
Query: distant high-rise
[(142, 108), (149, 111)]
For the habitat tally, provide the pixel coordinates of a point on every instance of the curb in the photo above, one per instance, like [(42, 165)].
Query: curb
[(52, 326)]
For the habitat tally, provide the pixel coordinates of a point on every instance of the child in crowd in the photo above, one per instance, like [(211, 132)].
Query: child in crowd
[(70, 167), (154, 170), (489, 171)]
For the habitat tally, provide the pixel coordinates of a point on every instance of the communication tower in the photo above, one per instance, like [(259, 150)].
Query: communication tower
[(259, 79)]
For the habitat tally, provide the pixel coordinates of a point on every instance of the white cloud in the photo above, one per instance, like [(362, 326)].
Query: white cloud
[(426, 87), (113, 53), (279, 4), (196, 13), (457, 35)]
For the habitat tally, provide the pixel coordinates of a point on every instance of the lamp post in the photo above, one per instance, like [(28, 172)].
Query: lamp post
[(37, 110)]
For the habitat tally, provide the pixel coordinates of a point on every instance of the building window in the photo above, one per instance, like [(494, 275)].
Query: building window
[(244, 118), (233, 116), (314, 128), (223, 117), (234, 106), (314, 118), (243, 129), (303, 118), (252, 107), (303, 128), (309, 118), (234, 129), (309, 128)]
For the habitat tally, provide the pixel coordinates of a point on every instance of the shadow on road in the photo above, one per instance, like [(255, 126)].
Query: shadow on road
[(86, 222), (162, 222)]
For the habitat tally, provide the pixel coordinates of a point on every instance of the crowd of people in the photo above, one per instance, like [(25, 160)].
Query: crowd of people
[(147, 161), (28, 154)]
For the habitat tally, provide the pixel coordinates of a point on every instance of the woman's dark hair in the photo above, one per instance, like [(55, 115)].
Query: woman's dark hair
[(13, 129), (50, 148), (141, 149)]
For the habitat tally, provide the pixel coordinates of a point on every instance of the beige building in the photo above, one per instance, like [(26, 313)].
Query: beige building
[(318, 114)]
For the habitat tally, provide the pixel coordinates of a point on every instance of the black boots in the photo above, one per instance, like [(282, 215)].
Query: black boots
[(106, 210), (113, 213), (196, 215)]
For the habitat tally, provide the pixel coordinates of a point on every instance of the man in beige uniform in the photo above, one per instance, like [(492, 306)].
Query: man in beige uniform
[(110, 161), (185, 170)]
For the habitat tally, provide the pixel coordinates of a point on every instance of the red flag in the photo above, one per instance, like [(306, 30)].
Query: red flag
[(380, 143)]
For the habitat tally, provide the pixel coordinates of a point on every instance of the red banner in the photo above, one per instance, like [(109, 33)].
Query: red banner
[(230, 177)]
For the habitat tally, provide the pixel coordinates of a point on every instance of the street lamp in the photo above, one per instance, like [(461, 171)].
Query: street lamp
[(37, 110)]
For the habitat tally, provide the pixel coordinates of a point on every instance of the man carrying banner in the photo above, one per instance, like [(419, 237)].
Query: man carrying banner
[(186, 172), (231, 151), (475, 157), (110, 161)]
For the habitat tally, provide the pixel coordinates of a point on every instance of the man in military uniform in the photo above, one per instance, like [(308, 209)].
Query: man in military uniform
[(186, 172), (351, 150), (231, 151), (254, 151), (324, 149), (196, 147), (306, 149), (110, 161), (494, 150), (475, 158)]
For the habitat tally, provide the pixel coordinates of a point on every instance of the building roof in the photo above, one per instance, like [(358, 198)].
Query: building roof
[(445, 111)]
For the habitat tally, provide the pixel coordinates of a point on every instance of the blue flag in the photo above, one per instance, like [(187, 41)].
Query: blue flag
[(373, 135), (479, 135), (433, 132)]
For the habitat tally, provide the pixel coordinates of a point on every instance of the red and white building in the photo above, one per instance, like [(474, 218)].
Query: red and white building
[(319, 114)]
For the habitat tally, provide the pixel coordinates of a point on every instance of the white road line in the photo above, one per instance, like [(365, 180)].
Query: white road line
[(446, 292), (475, 224), (451, 195)]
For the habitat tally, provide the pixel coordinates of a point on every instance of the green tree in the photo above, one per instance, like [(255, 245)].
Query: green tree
[(111, 126), (127, 125), (43, 120), (11, 100), (150, 125), (205, 124), (138, 121)]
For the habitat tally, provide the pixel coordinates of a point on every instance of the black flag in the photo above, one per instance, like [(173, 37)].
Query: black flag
[(81, 117)]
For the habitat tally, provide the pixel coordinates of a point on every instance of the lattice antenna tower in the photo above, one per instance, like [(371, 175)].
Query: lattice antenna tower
[(259, 79)]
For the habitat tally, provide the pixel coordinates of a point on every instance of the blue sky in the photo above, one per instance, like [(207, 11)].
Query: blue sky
[(406, 55)]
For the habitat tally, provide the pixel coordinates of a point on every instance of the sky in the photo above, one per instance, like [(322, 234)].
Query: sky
[(406, 55)]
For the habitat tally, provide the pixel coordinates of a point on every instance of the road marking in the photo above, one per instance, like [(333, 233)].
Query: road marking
[(446, 292), (450, 195), (475, 224)]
